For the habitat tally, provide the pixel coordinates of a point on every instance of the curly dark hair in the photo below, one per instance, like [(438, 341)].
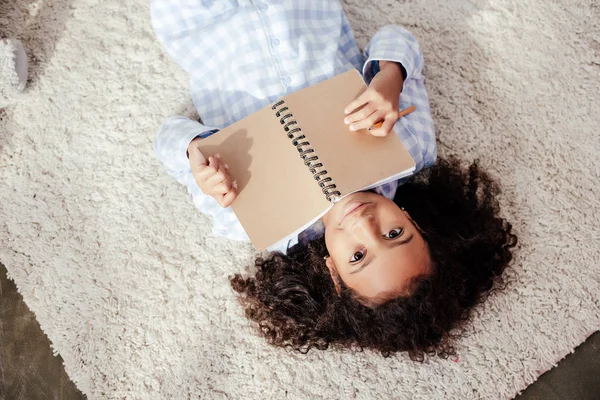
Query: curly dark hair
[(294, 301)]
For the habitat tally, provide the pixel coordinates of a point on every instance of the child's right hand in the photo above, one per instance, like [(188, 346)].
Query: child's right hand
[(212, 175)]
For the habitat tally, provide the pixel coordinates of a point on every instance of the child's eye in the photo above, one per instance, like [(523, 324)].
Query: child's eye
[(359, 255), (394, 233)]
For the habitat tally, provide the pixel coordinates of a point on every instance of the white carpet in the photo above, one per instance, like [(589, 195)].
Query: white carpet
[(126, 281)]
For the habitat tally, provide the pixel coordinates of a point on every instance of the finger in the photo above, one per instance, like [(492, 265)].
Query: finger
[(367, 122), (218, 189), (385, 129), (226, 199), (361, 114), (224, 168), (359, 101), (220, 177), (203, 172), (197, 159), (213, 162), (211, 169), (217, 178)]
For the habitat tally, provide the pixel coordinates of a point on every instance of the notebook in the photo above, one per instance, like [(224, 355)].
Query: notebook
[(295, 158)]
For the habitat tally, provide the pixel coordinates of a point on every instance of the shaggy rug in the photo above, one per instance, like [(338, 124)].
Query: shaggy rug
[(131, 288)]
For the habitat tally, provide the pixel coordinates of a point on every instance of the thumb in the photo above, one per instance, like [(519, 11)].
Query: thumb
[(197, 159)]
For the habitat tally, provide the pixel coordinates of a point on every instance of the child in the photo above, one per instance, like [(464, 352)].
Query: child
[(367, 275)]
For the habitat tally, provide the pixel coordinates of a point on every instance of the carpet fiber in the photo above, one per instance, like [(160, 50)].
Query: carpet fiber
[(128, 284)]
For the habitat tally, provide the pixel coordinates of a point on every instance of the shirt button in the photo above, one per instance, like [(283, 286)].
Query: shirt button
[(275, 42), (287, 80), (263, 7)]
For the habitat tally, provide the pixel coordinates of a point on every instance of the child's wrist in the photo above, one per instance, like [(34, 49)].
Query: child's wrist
[(389, 65), (384, 64), (394, 72)]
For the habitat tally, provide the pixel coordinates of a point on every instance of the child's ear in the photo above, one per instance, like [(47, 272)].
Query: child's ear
[(334, 275)]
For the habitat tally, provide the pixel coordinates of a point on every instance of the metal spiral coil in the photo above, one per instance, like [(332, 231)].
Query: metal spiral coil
[(306, 152)]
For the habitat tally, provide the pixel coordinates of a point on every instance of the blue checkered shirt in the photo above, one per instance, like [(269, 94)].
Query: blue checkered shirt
[(244, 54)]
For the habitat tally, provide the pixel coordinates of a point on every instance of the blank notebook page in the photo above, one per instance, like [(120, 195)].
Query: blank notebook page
[(277, 192), (355, 160)]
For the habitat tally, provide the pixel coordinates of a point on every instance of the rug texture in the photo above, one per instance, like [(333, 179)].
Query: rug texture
[(131, 288)]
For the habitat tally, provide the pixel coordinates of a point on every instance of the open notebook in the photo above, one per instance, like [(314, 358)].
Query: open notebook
[(293, 159)]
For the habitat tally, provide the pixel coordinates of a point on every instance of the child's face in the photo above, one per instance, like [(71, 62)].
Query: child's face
[(374, 246)]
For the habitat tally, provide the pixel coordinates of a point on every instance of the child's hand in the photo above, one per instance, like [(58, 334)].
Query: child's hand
[(212, 175), (380, 101)]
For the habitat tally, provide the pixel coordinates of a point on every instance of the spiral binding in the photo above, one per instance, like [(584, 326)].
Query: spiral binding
[(306, 152)]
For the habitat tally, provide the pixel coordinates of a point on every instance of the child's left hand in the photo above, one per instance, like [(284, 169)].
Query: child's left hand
[(380, 101)]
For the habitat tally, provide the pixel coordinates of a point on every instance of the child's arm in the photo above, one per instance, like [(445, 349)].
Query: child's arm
[(379, 102), (392, 56), (393, 43), (395, 46)]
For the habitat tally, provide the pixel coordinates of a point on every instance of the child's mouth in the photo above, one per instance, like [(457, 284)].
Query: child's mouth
[(351, 208)]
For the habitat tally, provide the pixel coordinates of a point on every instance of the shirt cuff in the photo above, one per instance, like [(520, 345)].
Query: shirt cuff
[(371, 68)]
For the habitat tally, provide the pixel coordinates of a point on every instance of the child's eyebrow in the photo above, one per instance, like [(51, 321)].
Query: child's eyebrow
[(394, 243)]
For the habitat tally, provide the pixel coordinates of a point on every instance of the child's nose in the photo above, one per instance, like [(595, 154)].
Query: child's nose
[(366, 228)]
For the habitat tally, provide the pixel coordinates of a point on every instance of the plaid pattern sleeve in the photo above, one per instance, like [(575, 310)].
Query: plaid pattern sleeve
[(416, 130), (244, 54)]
